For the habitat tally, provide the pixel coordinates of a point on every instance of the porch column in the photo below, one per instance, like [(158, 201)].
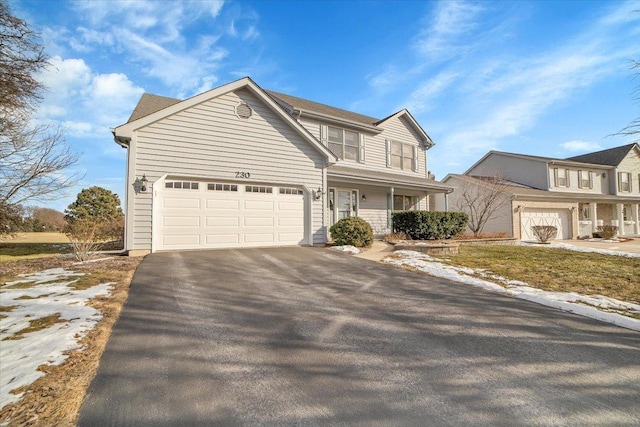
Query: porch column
[(636, 220), (619, 209), (593, 214), (390, 209)]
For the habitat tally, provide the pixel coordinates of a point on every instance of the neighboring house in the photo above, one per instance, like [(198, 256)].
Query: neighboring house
[(576, 194), (238, 166)]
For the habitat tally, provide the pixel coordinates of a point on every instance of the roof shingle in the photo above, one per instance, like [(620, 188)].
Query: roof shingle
[(609, 157)]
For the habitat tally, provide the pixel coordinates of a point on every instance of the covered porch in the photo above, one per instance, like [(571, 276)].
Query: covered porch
[(374, 196), (625, 216)]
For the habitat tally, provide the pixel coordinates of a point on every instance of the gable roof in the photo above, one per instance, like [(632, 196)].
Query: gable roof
[(304, 106), (404, 112), (164, 107), (149, 104), (609, 157), (548, 160), (524, 192)]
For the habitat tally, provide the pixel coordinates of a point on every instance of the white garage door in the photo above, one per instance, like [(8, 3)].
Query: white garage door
[(556, 217), (201, 215)]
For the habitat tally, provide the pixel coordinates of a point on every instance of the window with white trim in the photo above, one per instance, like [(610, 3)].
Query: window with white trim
[(624, 182), (184, 185), (402, 156), (404, 203), (345, 144), (585, 179), (561, 177)]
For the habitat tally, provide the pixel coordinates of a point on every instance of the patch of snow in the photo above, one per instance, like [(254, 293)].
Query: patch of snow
[(346, 249), (588, 306), (21, 357), (569, 247), (91, 260)]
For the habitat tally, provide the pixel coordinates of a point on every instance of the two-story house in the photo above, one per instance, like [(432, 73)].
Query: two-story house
[(239, 166), (576, 194)]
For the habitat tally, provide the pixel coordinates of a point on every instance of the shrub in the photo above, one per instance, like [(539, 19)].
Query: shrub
[(83, 237), (607, 231), (428, 225), (394, 237), (544, 233), (352, 230)]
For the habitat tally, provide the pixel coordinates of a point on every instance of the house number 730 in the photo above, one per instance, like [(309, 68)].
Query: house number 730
[(243, 175)]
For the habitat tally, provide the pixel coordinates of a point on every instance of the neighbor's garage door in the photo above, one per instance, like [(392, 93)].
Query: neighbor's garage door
[(557, 217), (201, 215)]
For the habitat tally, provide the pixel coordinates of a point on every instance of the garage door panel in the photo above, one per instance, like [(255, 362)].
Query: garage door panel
[(292, 238), (231, 221), (290, 206), (226, 239), (258, 238), (290, 222), (231, 205), (181, 221), (181, 203), (258, 205), (202, 218), (181, 240), (258, 222)]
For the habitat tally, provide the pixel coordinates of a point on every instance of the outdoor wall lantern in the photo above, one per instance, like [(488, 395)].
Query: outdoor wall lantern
[(364, 197), (143, 183), (317, 194)]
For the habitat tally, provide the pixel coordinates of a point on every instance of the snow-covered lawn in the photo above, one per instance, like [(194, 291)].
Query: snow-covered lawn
[(575, 248), (49, 293), (594, 306)]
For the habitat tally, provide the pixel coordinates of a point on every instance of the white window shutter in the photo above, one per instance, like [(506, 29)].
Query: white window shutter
[(361, 158), (323, 134), (590, 179), (580, 179), (566, 173), (555, 177), (388, 144), (415, 159)]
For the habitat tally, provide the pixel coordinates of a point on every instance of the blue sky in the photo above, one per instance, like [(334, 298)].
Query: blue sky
[(545, 78)]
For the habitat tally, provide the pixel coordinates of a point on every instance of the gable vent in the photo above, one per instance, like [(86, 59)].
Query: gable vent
[(243, 110)]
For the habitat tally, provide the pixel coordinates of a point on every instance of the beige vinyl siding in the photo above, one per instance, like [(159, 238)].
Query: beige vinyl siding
[(375, 154), (524, 171), (631, 164), (374, 210), (209, 141), (574, 181)]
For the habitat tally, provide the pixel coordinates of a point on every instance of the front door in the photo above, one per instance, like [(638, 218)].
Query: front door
[(342, 204)]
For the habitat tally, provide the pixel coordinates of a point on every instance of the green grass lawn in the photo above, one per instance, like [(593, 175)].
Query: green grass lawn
[(557, 269), (33, 245)]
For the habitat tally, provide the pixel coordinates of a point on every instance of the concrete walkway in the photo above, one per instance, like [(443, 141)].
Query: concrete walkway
[(377, 252), (632, 246)]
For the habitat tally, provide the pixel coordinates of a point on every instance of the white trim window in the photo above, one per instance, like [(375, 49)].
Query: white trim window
[(624, 182), (404, 203), (402, 156), (585, 179), (561, 177), (345, 144)]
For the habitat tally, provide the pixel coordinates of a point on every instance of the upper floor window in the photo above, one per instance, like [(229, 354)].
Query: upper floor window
[(624, 182), (585, 179), (345, 144), (402, 156), (561, 177)]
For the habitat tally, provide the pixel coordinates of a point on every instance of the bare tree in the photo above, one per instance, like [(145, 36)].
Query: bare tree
[(33, 158), (633, 128), (481, 198)]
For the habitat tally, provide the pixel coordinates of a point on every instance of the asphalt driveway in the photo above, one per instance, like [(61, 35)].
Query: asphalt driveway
[(306, 336)]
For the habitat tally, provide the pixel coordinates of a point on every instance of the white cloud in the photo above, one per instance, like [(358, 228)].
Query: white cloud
[(420, 100), (581, 146), (442, 35)]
